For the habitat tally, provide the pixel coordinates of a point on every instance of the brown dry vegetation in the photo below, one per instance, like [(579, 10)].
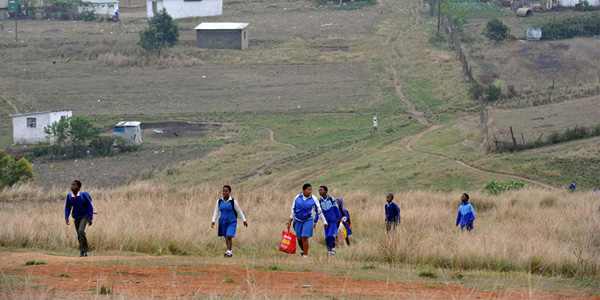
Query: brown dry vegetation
[(533, 231)]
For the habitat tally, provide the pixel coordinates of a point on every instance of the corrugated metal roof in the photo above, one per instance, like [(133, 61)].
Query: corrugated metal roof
[(128, 123), (221, 26), (40, 112)]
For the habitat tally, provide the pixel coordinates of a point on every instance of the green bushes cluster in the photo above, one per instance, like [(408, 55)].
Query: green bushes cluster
[(13, 170), (582, 24), (495, 30), (496, 187)]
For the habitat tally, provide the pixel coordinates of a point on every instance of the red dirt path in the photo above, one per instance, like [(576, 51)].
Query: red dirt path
[(216, 280)]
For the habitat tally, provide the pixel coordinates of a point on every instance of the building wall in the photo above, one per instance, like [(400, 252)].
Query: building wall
[(102, 8), (572, 3), (27, 135), (133, 134), (183, 9), (221, 39)]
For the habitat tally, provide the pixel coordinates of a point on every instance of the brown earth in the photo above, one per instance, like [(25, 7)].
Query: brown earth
[(70, 276)]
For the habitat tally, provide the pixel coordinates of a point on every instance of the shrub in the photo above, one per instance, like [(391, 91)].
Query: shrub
[(496, 30), (14, 171), (496, 187), (102, 145), (162, 32), (89, 16), (492, 92), (428, 274), (585, 24)]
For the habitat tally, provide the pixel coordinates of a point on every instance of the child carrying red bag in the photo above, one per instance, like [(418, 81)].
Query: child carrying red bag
[(288, 242)]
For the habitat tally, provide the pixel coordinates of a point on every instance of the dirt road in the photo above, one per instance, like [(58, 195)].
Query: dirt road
[(72, 276)]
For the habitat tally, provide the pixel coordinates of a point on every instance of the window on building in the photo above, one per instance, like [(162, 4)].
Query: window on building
[(244, 35), (154, 6), (190, 0), (31, 122)]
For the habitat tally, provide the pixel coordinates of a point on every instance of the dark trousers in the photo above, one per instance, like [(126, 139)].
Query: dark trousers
[(80, 228), (390, 225)]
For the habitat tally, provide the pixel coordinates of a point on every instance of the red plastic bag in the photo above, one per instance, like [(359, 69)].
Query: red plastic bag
[(288, 242)]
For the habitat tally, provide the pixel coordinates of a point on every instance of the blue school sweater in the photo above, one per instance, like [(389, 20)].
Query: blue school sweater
[(392, 212), (466, 214), (81, 206), (330, 209)]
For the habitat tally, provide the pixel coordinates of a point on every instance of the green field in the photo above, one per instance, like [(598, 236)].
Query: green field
[(313, 75)]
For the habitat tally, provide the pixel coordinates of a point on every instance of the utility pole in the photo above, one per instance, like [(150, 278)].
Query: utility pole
[(13, 5), (439, 13)]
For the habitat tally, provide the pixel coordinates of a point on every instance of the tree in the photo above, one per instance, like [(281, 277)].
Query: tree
[(77, 130), (12, 172), (496, 30), (162, 32)]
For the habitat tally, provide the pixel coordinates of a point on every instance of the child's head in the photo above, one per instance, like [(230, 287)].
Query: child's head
[(226, 191), (75, 186), (323, 191), (307, 189), (389, 198), (464, 197)]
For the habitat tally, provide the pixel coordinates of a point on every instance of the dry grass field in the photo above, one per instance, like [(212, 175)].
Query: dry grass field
[(542, 233)]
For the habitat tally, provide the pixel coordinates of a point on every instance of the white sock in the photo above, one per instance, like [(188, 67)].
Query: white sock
[(229, 252), (304, 256)]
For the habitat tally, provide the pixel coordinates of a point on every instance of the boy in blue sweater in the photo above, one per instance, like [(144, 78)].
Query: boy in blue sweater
[(333, 216), (466, 214), (83, 213), (392, 213), (301, 215)]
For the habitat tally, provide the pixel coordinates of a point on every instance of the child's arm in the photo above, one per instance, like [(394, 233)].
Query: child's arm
[(239, 210), (216, 212), (397, 218), (68, 206), (88, 202)]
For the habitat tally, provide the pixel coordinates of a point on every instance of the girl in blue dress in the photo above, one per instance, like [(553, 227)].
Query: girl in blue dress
[(229, 210)]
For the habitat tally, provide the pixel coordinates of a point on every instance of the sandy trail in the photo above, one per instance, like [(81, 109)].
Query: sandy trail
[(70, 276)]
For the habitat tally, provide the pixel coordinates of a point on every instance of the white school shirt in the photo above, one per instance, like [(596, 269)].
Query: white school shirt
[(314, 199), (235, 206)]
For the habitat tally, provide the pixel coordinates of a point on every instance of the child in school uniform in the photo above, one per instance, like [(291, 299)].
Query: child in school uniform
[(392, 213), (229, 210), (466, 214), (345, 219), (80, 204), (333, 216)]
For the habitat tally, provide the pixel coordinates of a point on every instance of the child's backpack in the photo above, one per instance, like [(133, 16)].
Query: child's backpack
[(232, 206)]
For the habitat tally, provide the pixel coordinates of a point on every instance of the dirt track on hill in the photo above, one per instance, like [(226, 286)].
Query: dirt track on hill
[(420, 116), (72, 276)]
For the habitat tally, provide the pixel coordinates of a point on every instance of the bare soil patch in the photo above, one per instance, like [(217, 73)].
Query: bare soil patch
[(63, 276)]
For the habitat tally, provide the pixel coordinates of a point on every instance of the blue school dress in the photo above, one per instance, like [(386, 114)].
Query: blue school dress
[(228, 219)]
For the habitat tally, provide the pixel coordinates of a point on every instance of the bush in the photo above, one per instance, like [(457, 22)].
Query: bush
[(496, 187), (162, 32), (492, 92), (102, 145), (14, 171), (496, 30), (89, 17), (585, 24)]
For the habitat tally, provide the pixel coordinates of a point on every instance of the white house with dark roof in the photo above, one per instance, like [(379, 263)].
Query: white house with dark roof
[(28, 128)]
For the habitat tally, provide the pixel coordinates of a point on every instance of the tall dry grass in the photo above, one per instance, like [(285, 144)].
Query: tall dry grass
[(536, 231)]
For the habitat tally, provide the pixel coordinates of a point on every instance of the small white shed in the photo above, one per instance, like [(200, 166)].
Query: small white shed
[(28, 128), (130, 130), (178, 9)]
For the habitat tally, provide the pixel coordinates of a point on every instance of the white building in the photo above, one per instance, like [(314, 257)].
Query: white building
[(186, 8), (101, 7), (28, 128), (131, 131), (573, 3)]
